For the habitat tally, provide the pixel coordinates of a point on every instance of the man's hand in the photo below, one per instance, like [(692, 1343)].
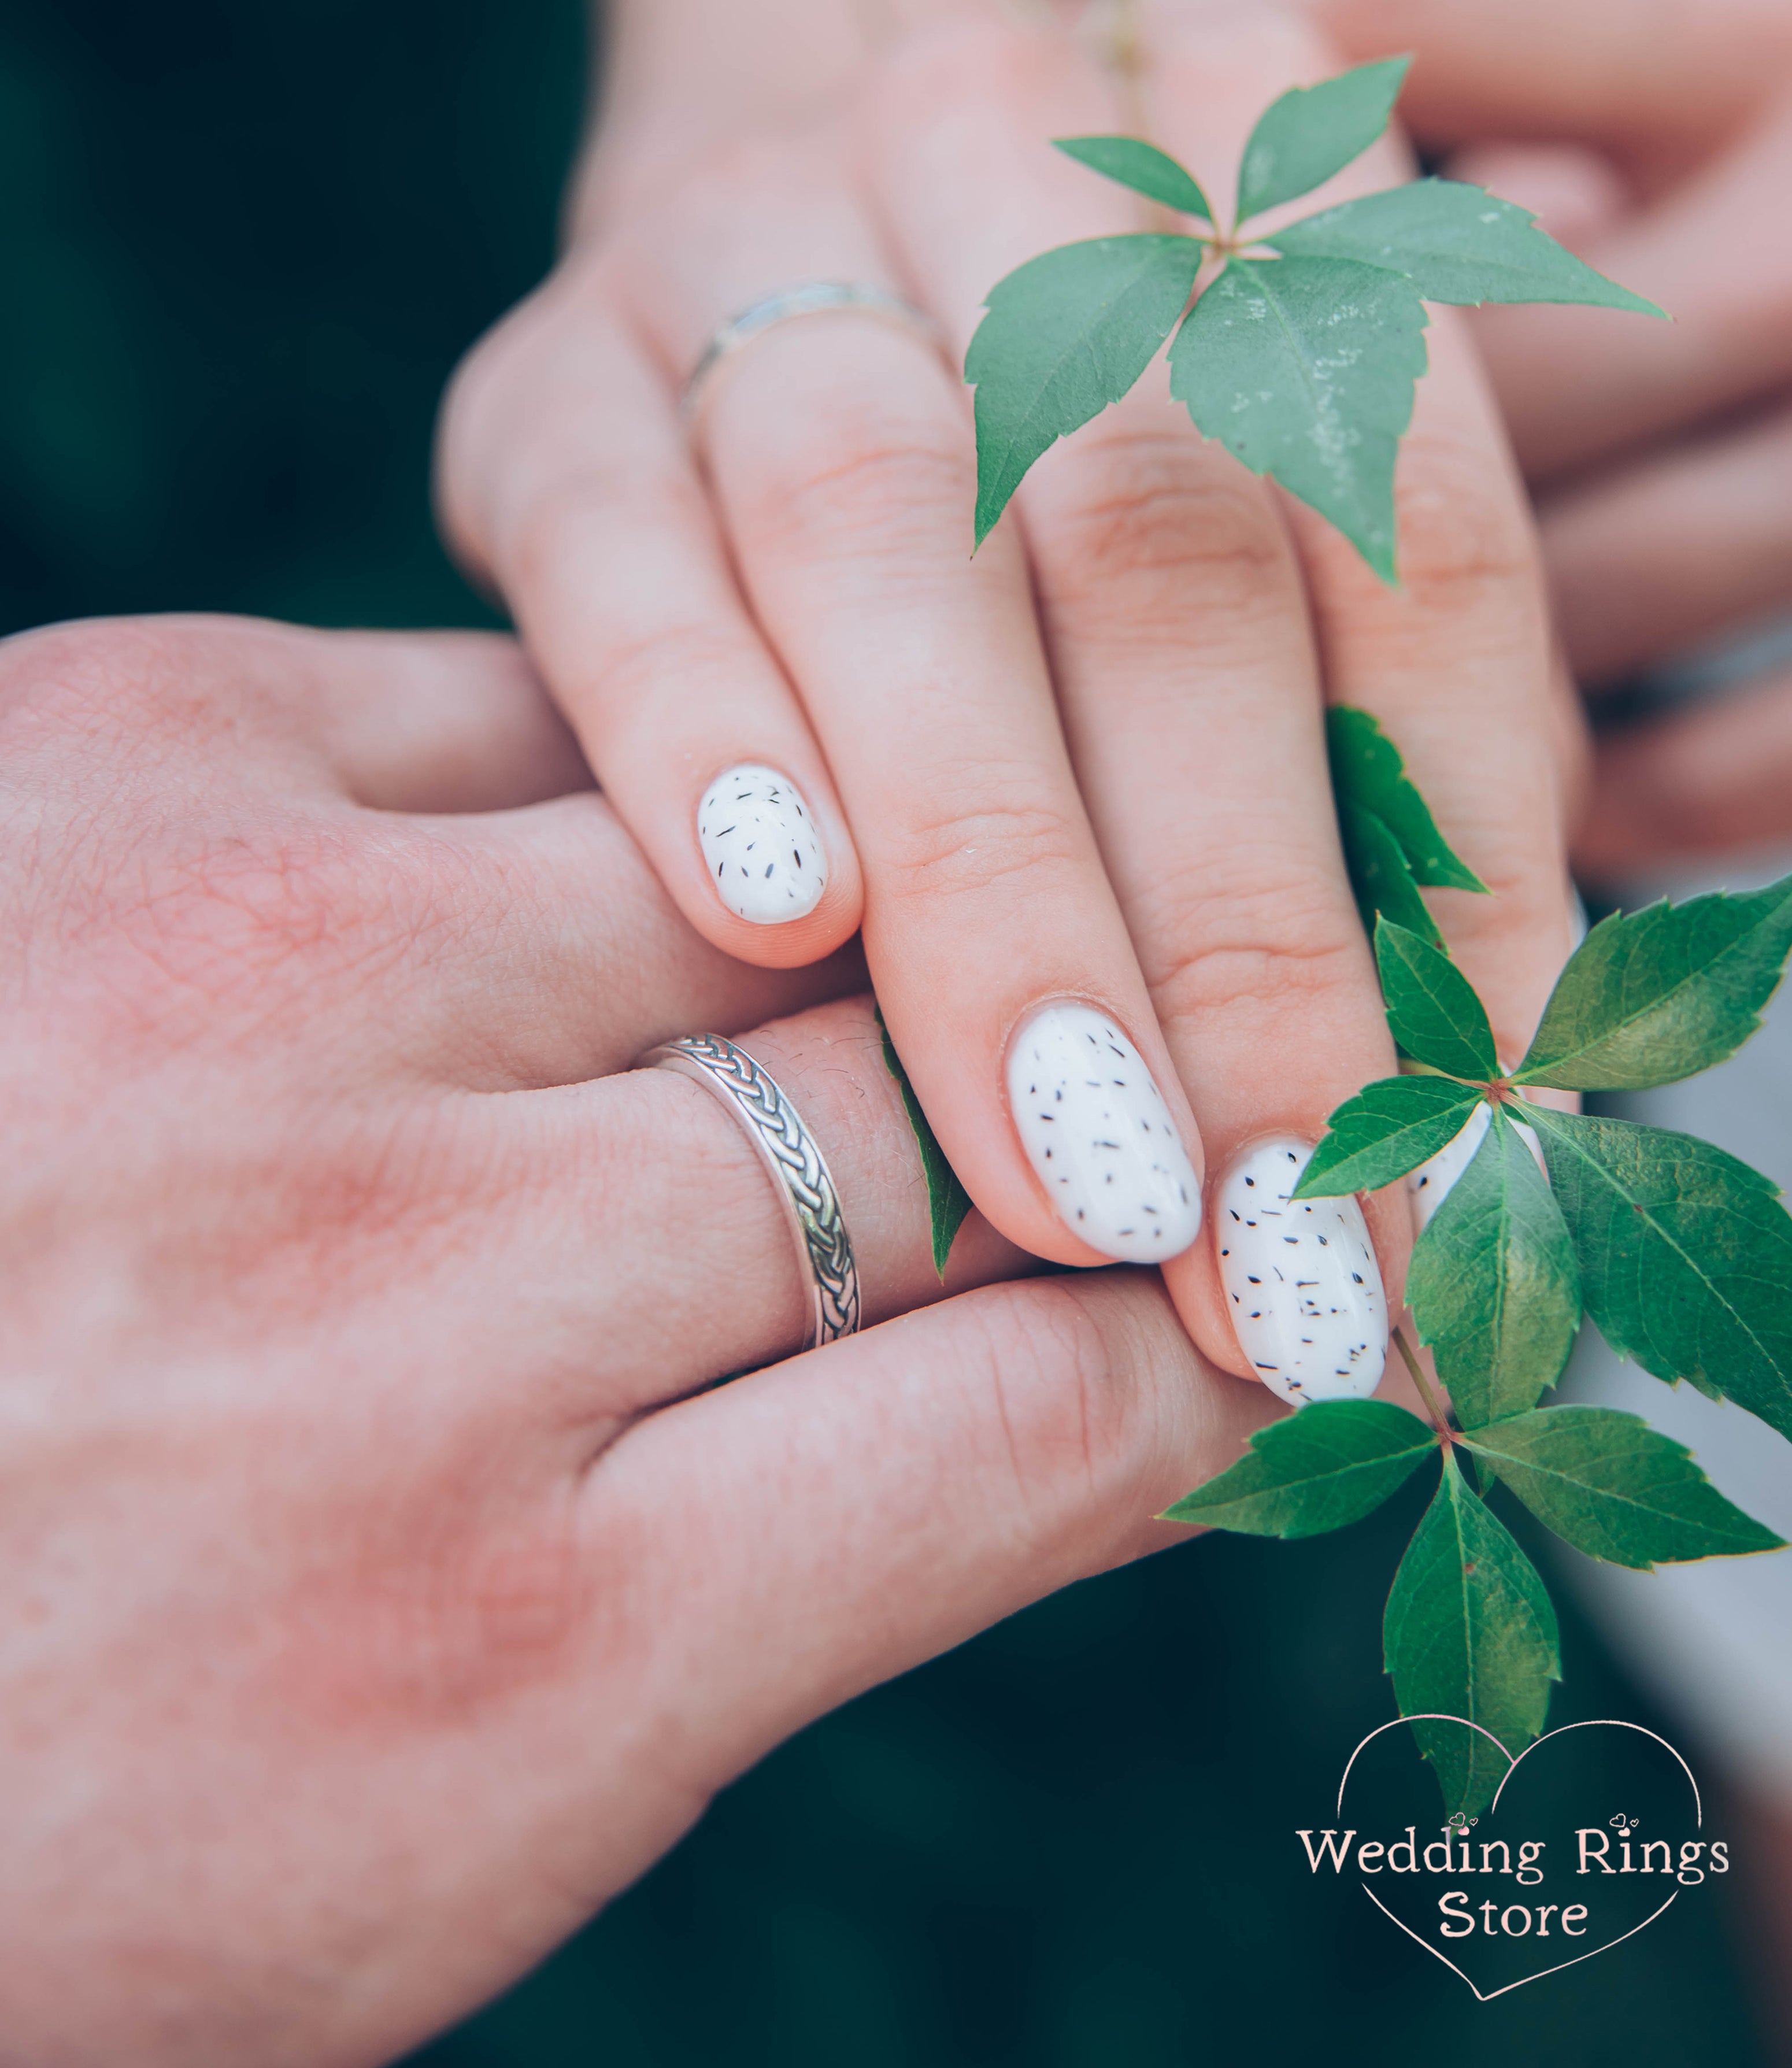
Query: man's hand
[(384, 1589)]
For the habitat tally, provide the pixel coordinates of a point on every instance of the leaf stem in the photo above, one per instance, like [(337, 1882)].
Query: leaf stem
[(1440, 1420)]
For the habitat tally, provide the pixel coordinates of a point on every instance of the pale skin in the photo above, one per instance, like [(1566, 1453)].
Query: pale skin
[(385, 1590), (1659, 145), (1087, 763)]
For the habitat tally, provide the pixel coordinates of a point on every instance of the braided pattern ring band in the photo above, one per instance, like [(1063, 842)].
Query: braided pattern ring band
[(789, 1153)]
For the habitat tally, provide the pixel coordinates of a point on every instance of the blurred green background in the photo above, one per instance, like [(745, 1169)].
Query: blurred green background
[(243, 246)]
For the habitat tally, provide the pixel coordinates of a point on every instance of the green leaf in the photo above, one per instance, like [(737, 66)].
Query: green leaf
[(1313, 131), (1330, 1463), (1381, 876), (1141, 166), (1432, 1005), (1367, 769), (1303, 368), (1652, 997), (1065, 335), (1615, 1488), (1391, 1127), (1685, 1255), (1456, 243), (1469, 1631), (947, 1201), (1493, 1285)]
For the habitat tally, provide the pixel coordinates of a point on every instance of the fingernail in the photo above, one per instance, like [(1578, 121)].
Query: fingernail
[(1428, 1187), (1097, 1130), (764, 853), (1302, 1282)]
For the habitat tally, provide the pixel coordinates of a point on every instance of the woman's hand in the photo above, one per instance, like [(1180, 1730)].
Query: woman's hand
[(374, 1613), (1083, 773), (1658, 145)]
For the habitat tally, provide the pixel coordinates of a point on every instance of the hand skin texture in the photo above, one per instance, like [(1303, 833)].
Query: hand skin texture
[(385, 1589), (1657, 142), (1087, 766)]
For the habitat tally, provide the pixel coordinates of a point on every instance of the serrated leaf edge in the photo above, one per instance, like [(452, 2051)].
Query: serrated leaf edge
[(1500, 1460)]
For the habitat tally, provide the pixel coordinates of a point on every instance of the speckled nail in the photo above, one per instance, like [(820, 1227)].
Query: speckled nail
[(764, 853), (1096, 1129), (1302, 1282), (1429, 1185)]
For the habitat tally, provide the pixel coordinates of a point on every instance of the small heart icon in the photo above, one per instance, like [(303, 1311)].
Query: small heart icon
[(1596, 1831)]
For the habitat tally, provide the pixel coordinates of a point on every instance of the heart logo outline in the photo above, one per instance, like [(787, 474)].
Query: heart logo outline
[(1512, 1765)]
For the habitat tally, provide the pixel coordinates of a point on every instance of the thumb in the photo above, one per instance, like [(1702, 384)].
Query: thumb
[(792, 1539)]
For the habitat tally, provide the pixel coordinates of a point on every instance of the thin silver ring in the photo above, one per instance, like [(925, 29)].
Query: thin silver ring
[(788, 1151), (807, 298)]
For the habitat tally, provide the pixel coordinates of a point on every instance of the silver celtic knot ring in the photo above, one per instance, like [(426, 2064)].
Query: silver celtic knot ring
[(788, 1151)]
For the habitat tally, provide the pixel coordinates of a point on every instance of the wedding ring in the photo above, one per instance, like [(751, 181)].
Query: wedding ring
[(808, 298), (799, 1169)]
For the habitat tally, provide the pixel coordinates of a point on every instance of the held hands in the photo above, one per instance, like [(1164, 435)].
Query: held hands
[(1076, 787), (386, 1590)]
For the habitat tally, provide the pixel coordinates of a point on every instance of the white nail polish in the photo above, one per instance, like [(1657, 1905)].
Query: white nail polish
[(1096, 1129), (1301, 1283), (764, 853), (1428, 1186)]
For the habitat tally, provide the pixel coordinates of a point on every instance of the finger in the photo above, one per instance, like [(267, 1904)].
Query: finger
[(477, 948), (543, 949), (841, 454), (848, 1515), (566, 475), (1576, 384), (636, 1211), (1690, 540), (1575, 193), (1178, 632), (1589, 73), (440, 722), (1459, 651), (1715, 779), (1687, 110), (400, 722)]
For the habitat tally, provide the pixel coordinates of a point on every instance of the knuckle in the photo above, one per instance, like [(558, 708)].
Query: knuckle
[(632, 667), (1143, 520), (478, 418), (1465, 538), (863, 477), (1256, 935), (1057, 1368), (516, 403), (975, 846), (106, 703), (96, 677), (545, 541)]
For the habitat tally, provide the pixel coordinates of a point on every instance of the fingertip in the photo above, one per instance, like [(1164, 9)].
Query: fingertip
[(787, 944)]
